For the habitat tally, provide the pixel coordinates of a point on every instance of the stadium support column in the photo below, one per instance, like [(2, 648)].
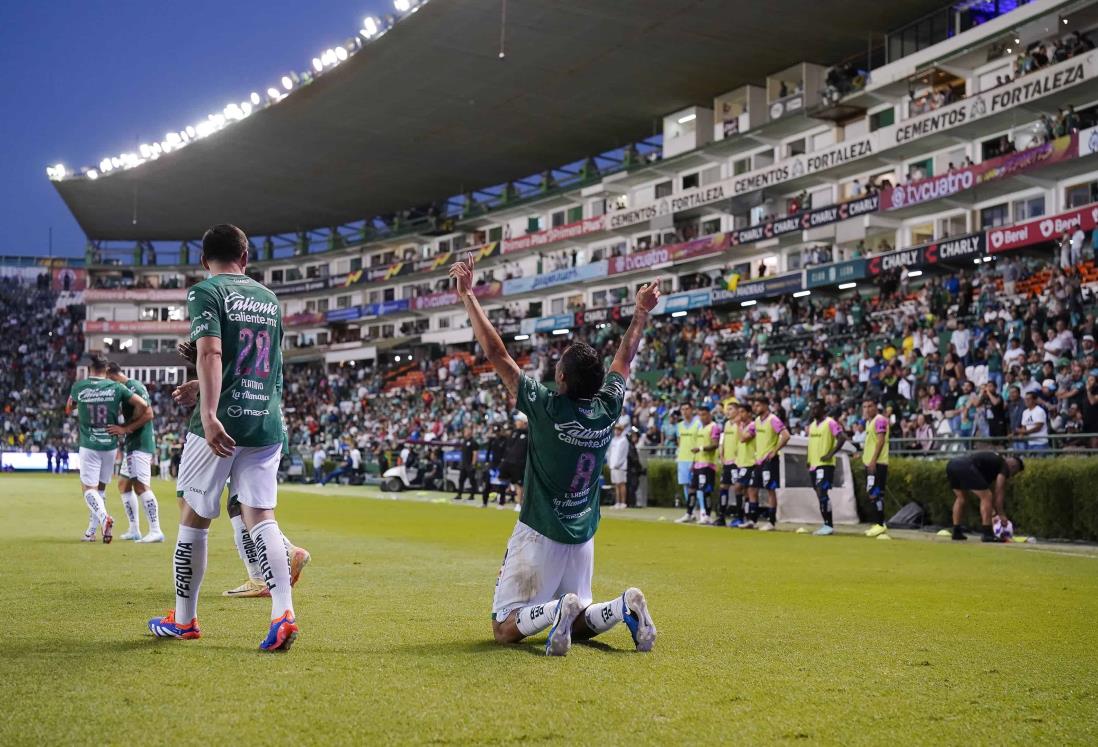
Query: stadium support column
[(184, 253), (268, 249)]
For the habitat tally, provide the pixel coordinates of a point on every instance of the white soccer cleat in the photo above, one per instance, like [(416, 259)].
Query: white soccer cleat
[(518, 507), (132, 534), (150, 538), (685, 519), (703, 518), (766, 526), (89, 536), (560, 635), (638, 620)]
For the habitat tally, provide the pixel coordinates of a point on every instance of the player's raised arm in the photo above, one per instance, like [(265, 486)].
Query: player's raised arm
[(489, 339), (647, 298)]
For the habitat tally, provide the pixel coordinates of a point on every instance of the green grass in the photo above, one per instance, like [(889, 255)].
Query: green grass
[(763, 638)]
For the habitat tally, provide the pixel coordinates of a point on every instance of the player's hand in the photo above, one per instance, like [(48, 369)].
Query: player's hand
[(219, 440), (186, 395), (188, 351), (871, 468), (649, 295), (117, 430), (462, 274)]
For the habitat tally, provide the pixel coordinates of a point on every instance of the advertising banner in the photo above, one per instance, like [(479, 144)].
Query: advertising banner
[(560, 233), (1040, 230), (835, 273), (961, 249), (304, 319), (685, 301), (449, 298), (687, 250), (558, 277), (1010, 96), (139, 327), (547, 323), (958, 180), (764, 288), (93, 295), (68, 279), (803, 221), (301, 286), (897, 260)]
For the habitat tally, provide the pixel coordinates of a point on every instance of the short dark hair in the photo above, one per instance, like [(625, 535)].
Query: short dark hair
[(98, 362), (582, 370), (113, 368), (224, 243)]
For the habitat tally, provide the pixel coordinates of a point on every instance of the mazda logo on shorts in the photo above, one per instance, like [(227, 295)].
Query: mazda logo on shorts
[(234, 411)]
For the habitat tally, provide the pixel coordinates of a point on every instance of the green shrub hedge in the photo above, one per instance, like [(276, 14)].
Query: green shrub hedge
[(1055, 497)]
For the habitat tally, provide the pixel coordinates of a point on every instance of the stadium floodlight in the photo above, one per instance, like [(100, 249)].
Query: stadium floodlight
[(802, 294), (369, 27), (847, 286), (560, 331), (748, 303), (396, 358), (190, 131), (341, 53), (688, 118), (520, 338), (254, 98), (914, 273), (273, 93), (404, 5), (105, 165), (287, 82), (93, 174), (677, 314), (317, 64)]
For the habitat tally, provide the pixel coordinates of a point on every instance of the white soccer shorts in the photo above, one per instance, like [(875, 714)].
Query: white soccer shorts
[(137, 465), (537, 570), (618, 477), (203, 474), (96, 466)]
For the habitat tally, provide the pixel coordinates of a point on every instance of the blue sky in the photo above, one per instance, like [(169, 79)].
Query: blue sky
[(91, 79)]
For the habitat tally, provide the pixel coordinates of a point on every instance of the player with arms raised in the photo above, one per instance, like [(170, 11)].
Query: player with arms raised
[(98, 402), (138, 445), (545, 581), (235, 432)]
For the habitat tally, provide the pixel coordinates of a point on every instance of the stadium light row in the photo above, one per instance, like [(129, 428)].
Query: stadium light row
[(372, 28)]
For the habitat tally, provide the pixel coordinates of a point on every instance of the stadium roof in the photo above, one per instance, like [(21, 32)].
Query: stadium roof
[(428, 110)]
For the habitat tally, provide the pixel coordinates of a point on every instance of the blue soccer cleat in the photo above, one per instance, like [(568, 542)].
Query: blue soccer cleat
[(282, 634), (560, 635), (638, 620), (167, 627), (824, 531)]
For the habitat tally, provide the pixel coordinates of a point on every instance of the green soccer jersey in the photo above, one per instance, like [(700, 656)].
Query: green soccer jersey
[(568, 441), (98, 404), (142, 439), (248, 319)]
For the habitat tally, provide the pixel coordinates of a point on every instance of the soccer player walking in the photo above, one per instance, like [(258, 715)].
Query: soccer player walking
[(704, 475), (236, 432), (730, 443), (98, 402), (875, 459), (135, 477), (825, 438), (545, 581)]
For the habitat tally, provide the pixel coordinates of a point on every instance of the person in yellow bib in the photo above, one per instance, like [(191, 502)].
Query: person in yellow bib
[(875, 459), (745, 462), (771, 436), (704, 472), (685, 432), (825, 438), (730, 442)]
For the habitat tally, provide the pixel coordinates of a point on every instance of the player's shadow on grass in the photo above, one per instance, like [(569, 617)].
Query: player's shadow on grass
[(478, 647)]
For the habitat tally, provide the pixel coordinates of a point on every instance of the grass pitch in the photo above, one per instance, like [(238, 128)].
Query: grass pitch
[(763, 638)]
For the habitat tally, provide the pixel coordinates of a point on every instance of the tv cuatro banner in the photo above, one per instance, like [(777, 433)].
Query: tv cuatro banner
[(958, 180)]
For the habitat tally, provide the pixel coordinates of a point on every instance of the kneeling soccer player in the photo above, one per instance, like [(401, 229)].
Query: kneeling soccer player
[(984, 474), (545, 581), (236, 432)]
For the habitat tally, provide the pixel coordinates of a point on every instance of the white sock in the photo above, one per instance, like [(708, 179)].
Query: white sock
[(536, 618), (129, 504), (188, 566), (273, 566), (245, 547), (95, 502), (152, 509), (93, 523), (601, 617)]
